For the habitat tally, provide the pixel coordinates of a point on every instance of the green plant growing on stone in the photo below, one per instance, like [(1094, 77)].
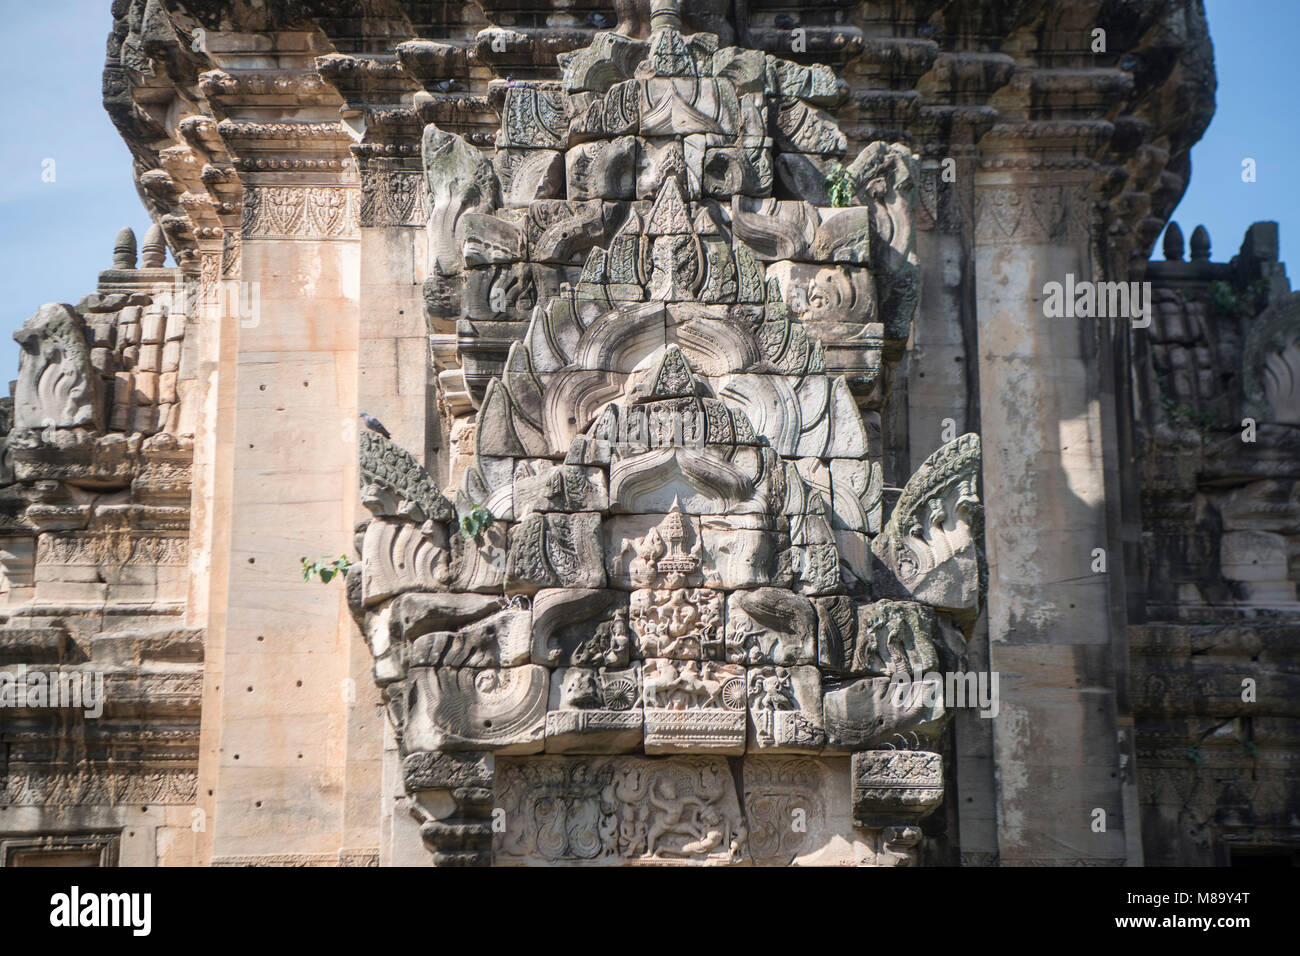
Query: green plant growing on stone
[(1179, 414), (1233, 304), (325, 568), (1223, 297), (840, 186), (475, 520), (1195, 755)]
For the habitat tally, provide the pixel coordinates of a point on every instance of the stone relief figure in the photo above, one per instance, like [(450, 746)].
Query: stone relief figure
[(682, 475), (57, 387)]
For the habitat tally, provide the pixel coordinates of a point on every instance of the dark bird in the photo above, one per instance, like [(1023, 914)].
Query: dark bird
[(375, 425), (784, 21), (598, 20), (445, 86)]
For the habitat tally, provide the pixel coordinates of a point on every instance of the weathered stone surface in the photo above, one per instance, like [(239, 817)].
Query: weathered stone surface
[(580, 626), (744, 551), (57, 387), (785, 709), (401, 556), (693, 707), (417, 614), (895, 786), (393, 483), (886, 638), (498, 709), (558, 488), (595, 711), (799, 812), (460, 181), (612, 810), (555, 550), (603, 169), (444, 771), (770, 626), (681, 623), (527, 175), (929, 541), (500, 640), (652, 550), (879, 710), (534, 116)]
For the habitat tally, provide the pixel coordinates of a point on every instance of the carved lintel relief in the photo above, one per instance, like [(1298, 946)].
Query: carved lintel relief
[(1047, 212), (392, 196), (300, 212), (688, 621)]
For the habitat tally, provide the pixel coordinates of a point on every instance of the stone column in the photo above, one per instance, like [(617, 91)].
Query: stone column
[(1049, 456)]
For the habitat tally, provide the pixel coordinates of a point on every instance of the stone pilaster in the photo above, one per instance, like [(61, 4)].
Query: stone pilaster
[(281, 693), (1049, 438)]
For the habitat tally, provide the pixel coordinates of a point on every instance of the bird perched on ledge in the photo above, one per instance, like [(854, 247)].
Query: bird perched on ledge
[(375, 425)]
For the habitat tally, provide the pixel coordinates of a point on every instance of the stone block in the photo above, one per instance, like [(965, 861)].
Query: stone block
[(617, 811), (501, 640), (652, 550), (502, 710), (770, 626), (581, 626), (679, 623), (896, 786), (693, 707), (595, 711), (785, 709), (544, 487), (555, 550), (527, 175), (800, 812), (602, 169), (744, 551), (876, 710)]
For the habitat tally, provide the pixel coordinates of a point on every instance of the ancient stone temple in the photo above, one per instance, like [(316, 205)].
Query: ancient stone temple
[(635, 434)]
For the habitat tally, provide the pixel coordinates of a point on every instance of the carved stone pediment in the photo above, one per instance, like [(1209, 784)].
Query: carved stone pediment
[(688, 511)]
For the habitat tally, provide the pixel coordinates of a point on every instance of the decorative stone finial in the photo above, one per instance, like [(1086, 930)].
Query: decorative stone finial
[(665, 15), (154, 251), (1200, 245), (124, 249), (1174, 243)]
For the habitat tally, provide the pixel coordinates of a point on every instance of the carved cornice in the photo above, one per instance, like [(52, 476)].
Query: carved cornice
[(93, 786), (932, 78)]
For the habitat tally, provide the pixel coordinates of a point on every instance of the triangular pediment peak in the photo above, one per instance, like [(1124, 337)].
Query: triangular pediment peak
[(669, 215), (670, 377)]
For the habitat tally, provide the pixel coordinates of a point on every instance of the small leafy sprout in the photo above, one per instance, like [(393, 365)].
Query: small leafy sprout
[(325, 569), (840, 186), (1195, 755), (1250, 749), (475, 520), (1233, 303)]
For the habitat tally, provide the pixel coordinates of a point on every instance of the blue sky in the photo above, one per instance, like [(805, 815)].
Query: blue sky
[(56, 236)]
